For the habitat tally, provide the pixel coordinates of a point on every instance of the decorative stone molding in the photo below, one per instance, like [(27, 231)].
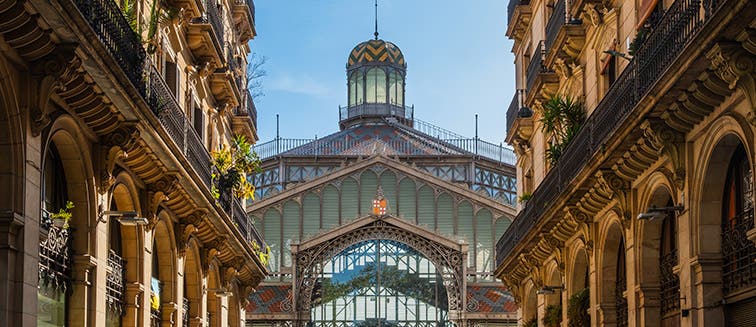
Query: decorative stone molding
[(46, 75), (735, 66)]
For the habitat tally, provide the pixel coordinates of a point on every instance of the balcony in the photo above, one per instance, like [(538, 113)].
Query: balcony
[(244, 121), (225, 84), (519, 119), (680, 24), (518, 18), (565, 37), (541, 81), (347, 115), (244, 19), (205, 35)]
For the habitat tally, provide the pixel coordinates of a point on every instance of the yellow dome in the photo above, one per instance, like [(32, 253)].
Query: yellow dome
[(376, 51)]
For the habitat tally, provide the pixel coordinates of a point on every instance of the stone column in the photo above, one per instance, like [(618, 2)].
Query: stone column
[(80, 299), (12, 284), (706, 308), (133, 298)]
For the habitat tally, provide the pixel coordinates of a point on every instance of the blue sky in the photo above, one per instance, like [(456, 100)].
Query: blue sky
[(458, 61)]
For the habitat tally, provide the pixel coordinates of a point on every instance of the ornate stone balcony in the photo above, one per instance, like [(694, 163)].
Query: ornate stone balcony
[(565, 36), (244, 19), (519, 14), (205, 35), (541, 80), (244, 121)]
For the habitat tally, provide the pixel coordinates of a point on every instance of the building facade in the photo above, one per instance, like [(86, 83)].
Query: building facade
[(109, 112), (389, 222), (645, 217)]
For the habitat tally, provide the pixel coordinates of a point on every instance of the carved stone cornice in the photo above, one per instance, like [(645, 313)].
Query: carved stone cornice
[(619, 189), (46, 76), (736, 66)]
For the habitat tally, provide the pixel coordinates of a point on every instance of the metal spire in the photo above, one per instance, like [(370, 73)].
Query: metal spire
[(376, 20)]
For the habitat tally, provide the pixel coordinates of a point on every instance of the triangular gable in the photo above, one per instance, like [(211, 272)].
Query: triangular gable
[(497, 208)]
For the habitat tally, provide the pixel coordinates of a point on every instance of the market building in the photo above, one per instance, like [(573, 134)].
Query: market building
[(390, 221)]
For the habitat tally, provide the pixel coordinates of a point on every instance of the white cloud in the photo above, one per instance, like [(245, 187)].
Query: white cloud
[(300, 84)]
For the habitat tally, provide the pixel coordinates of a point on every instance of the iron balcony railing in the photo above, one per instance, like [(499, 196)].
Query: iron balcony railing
[(185, 312), (108, 23), (677, 27), (315, 147), (511, 8), (536, 65), (556, 21), (115, 286), (214, 17), (514, 107)]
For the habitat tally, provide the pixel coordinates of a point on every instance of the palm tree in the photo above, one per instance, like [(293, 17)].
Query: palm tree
[(562, 117)]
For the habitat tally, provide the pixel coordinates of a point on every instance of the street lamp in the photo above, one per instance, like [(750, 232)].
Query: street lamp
[(548, 290), (126, 218), (654, 212)]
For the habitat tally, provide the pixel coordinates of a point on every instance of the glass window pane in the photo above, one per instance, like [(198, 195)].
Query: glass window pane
[(359, 90), (400, 92), (372, 76), (380, 83)]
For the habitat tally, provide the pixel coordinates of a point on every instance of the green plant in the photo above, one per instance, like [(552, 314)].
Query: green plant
[(638, 40), (533, 322), (63, 214), (577, 309), (524, 197), (231, 165), (561, 117), (552, 316)]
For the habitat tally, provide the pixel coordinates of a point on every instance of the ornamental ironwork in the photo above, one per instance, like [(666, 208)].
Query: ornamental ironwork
[(739, 253), (54, 257), (670, 284), (155, 318), (621, 302), (116, 285), (449, 262), (185, 314)]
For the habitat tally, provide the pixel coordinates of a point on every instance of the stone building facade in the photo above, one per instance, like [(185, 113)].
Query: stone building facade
[(647, 217), (108, 113)]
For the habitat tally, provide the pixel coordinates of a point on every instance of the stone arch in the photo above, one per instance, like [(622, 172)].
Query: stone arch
[(659, 194), (553, 277), (449, 262), (530, 302), (214, 285), (74, 154), (709, 178), (611, 237), (125, 195), (234, 308), (193, 277), (12, 129), (578, 269), (165, 248)]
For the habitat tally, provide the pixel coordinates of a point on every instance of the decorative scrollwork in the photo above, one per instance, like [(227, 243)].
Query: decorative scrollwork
[(449, 262)]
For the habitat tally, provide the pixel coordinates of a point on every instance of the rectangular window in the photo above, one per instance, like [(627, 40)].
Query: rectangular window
[(172, 77), (199, 122)]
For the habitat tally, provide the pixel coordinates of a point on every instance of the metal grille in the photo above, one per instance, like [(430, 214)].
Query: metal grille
[(739, 253), (155, 318), (670, 284), (115, 286), (54, 257), (185, 314), (621, 302)]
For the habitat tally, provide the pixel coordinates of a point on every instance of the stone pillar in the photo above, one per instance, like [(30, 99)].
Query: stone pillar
[(706, 308), (133, 297), (648, 304), (80, 299), (12, 284)]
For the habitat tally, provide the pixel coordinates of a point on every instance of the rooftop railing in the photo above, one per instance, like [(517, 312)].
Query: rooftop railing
[(376, 109), (677, 27)]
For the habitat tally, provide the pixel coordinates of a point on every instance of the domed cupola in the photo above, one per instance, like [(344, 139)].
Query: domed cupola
[(376, 73)]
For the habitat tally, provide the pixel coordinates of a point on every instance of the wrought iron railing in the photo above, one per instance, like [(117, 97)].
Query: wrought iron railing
[(214, 17), (185, 312), (536, 65), (620, 301), (670, 283), (115, 286), (251, 110), (514, 107), (435, 131), (115, 33), (673, 33), (155, 318), (738, 253), (54, 257), (556, 21), (511, 8), (376, 109)]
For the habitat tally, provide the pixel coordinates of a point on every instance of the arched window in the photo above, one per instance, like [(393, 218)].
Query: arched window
[(356, 89), (54, 259), (670, 282), (621, 286), (115, 274), (376, 86), (739, 253)]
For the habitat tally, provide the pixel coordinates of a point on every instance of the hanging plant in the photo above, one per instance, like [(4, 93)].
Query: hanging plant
[(577, 310), (561, 117), (61, 218), (231, 164)]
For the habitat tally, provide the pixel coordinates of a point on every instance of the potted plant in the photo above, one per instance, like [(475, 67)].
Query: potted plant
[(553, 316), (524, 198), (231, 165), (561, 118), (577, 309), (61, 218)]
